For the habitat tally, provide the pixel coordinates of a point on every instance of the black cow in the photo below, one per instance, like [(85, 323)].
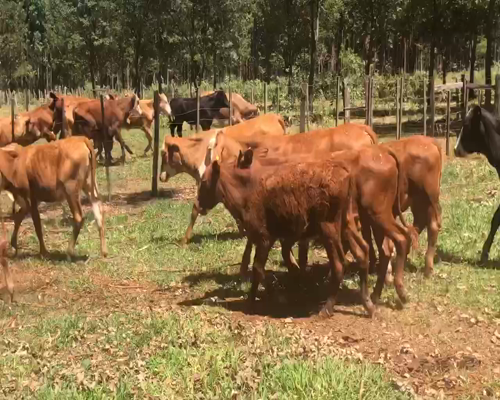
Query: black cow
[(481, 134), (184, 110)]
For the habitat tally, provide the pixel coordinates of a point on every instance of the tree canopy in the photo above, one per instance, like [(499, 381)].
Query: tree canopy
[(70, 42)]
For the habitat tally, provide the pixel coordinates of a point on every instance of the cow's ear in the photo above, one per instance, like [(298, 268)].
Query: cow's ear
[(215, 168), (248, 157), (53, 96), (239, 162)]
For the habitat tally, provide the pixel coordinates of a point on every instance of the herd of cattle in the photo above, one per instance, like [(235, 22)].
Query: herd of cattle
[(335, 185)]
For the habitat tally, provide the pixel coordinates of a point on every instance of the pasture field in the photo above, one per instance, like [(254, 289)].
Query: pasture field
[(155, 320)]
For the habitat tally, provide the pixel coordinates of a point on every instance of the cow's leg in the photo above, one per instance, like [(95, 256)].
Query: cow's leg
[(147, 132), (400, 236), (172, 129), (179, 129), (360, 249), (18, 219), (9, 283), (366, 231), (433, 228), (97, 209), (303, 251), (245, 260), (258, 270), (73, 199), (333, 246), (495, 223), (384, 258), (288, 258), (35, 215), (189, 231)]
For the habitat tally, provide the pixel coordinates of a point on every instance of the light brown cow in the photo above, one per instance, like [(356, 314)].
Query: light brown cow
[(193, 154), (297, 201), (421, 164), (145, 120), (52, 172), (29, 126)]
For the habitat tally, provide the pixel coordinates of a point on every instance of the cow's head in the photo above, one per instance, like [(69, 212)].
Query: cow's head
[(220, 100), (479, 135), (207, 192), (165, 105), (171, 161), (34, 131)]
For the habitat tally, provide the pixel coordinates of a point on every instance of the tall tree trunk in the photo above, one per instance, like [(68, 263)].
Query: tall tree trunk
[(333, 58), (445, 64), (472, 64), (313, 54), (432, 60), (489, 47)]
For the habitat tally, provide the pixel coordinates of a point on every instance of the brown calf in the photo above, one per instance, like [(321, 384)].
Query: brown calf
[(193, 154), (51, 173), (421, 164), (295, 202)]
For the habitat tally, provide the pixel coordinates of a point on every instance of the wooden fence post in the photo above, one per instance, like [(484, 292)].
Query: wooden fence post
[(337, 95), (401, 103), (277, 98), (432, 96), (347, 102), (397, 110), (265, 98), (425, 108), (303, 105), (198, 109), (230, 107), (27, 99), (12, 116), (497, 94), (464, 97), (63, 118), (104, 139), (367, 100), (448, 112), (156, 144), (372, 100)]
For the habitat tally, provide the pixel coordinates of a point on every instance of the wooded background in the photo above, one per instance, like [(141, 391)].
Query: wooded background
[(44, 43)]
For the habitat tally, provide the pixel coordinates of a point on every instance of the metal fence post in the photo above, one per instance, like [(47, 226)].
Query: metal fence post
[(425, 108), (448, 112), (103, 141), (156, 143), (432, 96), (12, 116), (337, 96), (197, 109)]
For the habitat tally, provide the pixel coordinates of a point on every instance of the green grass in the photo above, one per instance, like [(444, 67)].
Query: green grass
[(95, 328)]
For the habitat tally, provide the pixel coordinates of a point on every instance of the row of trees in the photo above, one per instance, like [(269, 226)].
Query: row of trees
[(70, 42)]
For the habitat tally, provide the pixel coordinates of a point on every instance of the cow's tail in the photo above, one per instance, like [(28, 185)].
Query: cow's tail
[(411, 230), (93, 168), (370, 132)]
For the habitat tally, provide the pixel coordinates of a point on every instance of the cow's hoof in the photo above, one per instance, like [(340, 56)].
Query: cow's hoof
[(370, 308), (428, 272), (375, 298)]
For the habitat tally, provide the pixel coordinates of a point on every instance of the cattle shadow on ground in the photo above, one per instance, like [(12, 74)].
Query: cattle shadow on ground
[(232, 235), (288, 295), (56, 256), (474, 262), (136, 198)]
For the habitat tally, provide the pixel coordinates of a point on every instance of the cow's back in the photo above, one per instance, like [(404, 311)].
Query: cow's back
[(264, 125)]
